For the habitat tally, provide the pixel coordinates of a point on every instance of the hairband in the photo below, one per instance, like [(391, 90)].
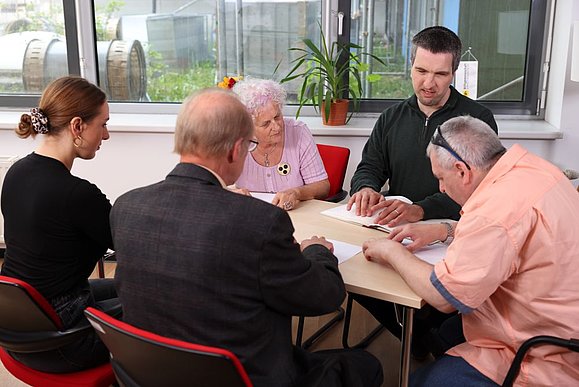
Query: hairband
[(39, 121)]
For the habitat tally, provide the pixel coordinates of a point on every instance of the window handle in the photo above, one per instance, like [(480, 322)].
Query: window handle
[(340, 23)]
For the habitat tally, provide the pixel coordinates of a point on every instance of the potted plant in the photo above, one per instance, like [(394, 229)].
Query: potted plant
[(324, 72)]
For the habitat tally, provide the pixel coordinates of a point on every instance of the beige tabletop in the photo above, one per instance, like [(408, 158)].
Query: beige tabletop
[(360, 275)]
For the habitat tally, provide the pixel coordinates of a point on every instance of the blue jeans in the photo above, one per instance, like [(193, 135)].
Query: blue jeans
[(449, 371), (88, 351)]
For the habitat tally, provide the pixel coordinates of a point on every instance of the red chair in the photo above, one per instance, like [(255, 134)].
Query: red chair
[(141, 358), (28, 323), (335, 159)]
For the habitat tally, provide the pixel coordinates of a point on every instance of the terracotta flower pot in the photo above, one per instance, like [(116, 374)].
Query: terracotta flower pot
[(338, 113)]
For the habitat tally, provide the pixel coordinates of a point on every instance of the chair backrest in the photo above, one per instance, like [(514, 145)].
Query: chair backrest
[(24, 309), (571, 344), (142, 358), (335, 160)]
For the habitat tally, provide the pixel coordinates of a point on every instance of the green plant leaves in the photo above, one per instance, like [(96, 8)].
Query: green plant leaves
[(325, 72)]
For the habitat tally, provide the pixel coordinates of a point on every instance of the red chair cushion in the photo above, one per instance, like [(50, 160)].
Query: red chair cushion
[(101, 376)]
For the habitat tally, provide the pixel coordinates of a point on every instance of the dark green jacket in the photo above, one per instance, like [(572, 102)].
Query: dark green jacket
[(396, 152)]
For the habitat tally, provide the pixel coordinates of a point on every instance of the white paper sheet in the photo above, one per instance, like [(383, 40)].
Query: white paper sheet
[(431, 253), (341, 213), (344, 251), (265, 196)]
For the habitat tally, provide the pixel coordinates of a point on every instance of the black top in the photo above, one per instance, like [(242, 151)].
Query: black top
[(56, 225), (396, 152)]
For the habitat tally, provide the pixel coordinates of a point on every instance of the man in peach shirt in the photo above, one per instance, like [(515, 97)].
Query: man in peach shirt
[(511, 268)]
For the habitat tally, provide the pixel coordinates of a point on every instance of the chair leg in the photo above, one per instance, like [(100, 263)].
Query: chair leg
[(300, 331), (366, 340), (101, 268), (317, 334)]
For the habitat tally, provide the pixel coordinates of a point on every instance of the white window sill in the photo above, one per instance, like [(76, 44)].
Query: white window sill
[(523, 129)]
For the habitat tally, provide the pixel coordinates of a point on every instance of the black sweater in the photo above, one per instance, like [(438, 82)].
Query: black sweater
[(396, 152), (56, 225)]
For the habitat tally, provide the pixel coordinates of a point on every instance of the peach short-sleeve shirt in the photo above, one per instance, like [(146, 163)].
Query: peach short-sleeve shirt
[(513, 270)]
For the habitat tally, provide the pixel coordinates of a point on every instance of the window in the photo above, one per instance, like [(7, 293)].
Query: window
[(35, 48), (159, 51), (505, 37)]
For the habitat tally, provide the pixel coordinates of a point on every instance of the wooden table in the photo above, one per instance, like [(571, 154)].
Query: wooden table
[(360, 275)]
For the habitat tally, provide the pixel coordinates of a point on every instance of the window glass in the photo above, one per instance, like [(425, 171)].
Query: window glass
[(161, 51), (495, 32), (34, 51)]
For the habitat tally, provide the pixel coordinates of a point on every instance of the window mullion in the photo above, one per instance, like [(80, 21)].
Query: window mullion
[(82, 47)]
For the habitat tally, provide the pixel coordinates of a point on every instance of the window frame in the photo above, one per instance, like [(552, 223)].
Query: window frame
[(81, 43), (530, 106), (72, 53)]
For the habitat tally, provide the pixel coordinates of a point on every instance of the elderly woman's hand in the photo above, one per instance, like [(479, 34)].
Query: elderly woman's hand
[(287, 199)]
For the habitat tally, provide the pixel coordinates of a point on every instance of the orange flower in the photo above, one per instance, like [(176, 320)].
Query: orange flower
[(228, 82)]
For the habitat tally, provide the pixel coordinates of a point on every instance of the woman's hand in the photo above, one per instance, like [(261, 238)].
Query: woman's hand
[(287, 199)]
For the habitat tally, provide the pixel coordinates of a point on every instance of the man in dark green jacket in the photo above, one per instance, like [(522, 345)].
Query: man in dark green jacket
[(396, 153), (396, 149)]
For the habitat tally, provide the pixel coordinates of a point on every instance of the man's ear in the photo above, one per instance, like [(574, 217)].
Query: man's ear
[(237, 151), (464, 173)]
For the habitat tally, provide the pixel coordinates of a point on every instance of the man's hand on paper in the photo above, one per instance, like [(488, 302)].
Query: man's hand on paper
[(364, 199), (381, 250), (420, 234), (315, 240), (395, 212)]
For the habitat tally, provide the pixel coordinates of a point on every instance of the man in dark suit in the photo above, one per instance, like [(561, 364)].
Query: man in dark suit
[(200, 263)]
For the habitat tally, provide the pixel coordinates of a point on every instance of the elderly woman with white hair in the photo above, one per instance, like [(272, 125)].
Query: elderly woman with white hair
[(285, 160)]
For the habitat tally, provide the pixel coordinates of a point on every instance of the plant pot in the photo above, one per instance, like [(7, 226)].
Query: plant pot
[(338, 112)]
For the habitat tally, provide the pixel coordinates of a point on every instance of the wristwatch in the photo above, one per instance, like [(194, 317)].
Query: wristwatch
[(449, 233)]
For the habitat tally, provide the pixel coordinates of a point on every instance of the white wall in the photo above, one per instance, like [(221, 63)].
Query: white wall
[(135, 158), (563, 103)]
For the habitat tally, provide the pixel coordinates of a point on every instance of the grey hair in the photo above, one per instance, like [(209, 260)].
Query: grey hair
[(472, 139), (438, 40), (256, 93), (210, 122)]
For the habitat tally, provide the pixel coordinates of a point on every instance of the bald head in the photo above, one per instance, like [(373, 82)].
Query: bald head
[(210, 122)]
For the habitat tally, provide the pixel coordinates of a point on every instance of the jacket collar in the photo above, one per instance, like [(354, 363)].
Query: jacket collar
[(196, 171)]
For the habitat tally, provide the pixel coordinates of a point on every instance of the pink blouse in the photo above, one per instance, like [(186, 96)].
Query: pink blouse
[(300, 163)]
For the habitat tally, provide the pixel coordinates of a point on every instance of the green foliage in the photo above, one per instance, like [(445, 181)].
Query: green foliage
[(392, 87), (104, 14), (169, 86), (324, 72), (50, 21)]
